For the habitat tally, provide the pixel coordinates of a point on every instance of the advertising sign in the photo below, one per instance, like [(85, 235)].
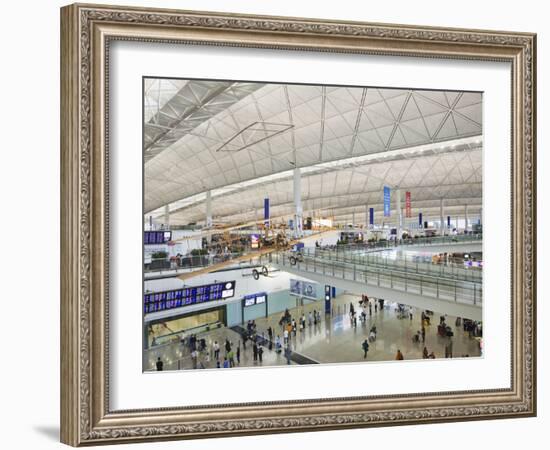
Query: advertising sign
[(371, 216), (309, 290), (420, 220), (387, 200), (303, 289)]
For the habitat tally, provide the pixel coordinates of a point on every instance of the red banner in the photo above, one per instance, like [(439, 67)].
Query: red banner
[(408, 212)]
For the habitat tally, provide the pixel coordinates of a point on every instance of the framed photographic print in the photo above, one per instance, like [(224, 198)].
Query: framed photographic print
[(279, 224)]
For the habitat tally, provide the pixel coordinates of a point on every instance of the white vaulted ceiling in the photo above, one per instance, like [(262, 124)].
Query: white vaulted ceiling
[(242, 140)]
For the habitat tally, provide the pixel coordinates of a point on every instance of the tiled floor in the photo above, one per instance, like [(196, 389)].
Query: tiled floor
[(334, 340)]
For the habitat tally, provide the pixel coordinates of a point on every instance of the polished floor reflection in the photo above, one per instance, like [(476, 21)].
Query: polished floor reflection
[(334, 340)]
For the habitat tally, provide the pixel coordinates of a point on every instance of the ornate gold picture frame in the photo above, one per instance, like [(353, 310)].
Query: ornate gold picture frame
[(86, 34)]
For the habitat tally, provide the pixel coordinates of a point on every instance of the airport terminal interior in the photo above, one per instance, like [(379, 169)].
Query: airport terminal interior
[(289, 224)]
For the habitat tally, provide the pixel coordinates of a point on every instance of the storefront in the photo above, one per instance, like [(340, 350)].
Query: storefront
[(164, 331)]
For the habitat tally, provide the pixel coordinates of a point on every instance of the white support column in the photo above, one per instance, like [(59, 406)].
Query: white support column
[(399, 213), (465, 217), (166, 217), (481, 216), (441, 218), (367, 216), (208, 209), (353, 219), (298, 232), (209, 214)]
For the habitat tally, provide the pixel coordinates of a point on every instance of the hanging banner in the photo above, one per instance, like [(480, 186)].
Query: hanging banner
[(387, 200), (266, 211), (371, 216), (420, 220), (448, 221), (408, 211)]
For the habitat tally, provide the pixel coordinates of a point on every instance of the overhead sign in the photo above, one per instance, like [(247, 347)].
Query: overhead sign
[(371, 216), (420, 220), (162, 301), (387, 201), (408, 210)]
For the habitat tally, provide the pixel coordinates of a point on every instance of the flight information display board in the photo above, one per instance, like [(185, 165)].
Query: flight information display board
[(157, 237), (255, 299), (162, 301)]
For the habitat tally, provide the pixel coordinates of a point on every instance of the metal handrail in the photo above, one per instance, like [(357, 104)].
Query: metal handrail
[(467, 292), (188, 262), (399, 263), (419, 241)]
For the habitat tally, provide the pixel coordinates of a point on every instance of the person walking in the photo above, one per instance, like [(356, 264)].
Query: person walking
[(278, 344), (309, 319), (231, 358), (287, 354), (239, 354), (423, 333), (255, 352), (365, 346), (399, 355), (227, 346), (285, 336), (425, 353), (216, 348), (245, 338), (370, 308), (260, 353), (225, 363), (159, 364)]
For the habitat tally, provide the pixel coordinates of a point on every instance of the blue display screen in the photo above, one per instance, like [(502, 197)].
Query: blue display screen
[(157, 237), (255, 299), (161, 301)]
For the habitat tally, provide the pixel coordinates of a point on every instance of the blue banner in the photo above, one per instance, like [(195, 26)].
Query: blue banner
[(420, 220), (266, 211), (387, 200), (371, 216), (448, 221)]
